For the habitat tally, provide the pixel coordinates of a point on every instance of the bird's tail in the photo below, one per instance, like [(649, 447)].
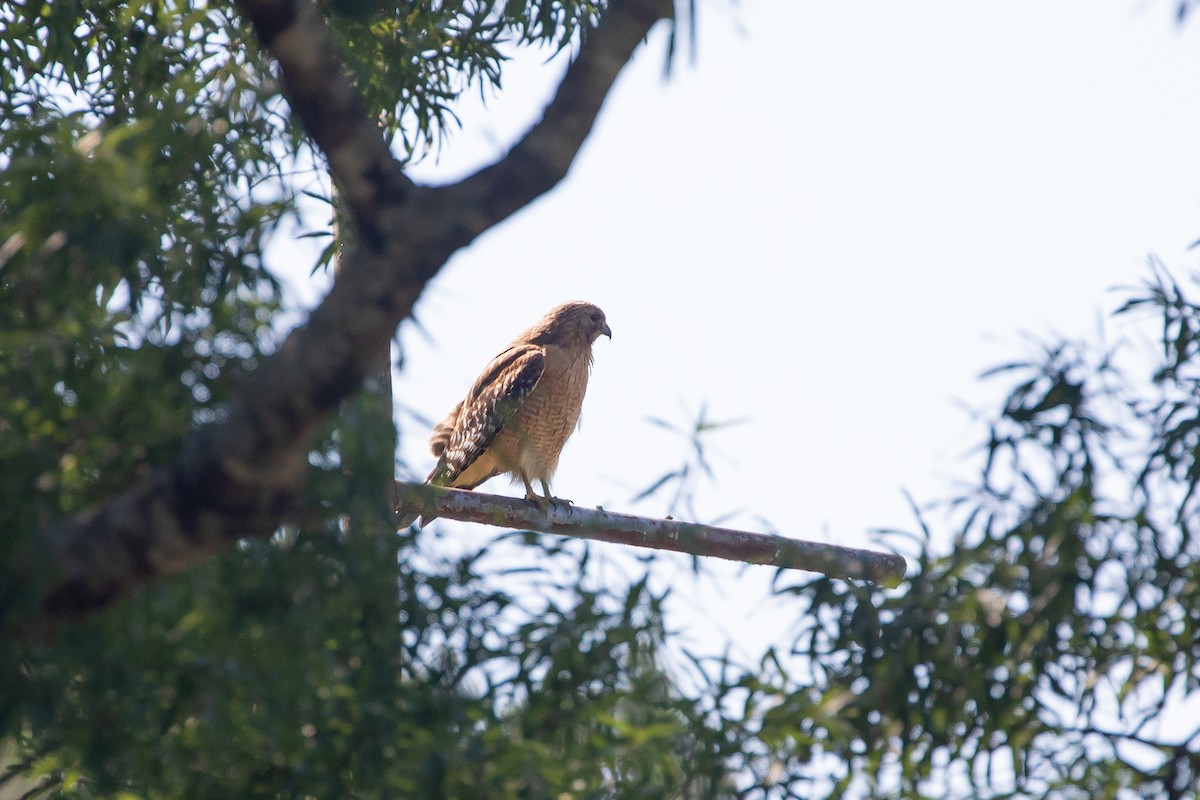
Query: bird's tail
[(406, 517), (405, 520)]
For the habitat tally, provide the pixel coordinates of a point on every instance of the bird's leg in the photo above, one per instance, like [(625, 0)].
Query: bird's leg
[(543, 503), (551, 499), (545, 500)]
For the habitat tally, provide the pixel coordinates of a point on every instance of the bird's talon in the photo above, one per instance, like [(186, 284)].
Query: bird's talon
[(550, 503)]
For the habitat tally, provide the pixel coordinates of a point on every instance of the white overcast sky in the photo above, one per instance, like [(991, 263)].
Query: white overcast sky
[(827, 225)]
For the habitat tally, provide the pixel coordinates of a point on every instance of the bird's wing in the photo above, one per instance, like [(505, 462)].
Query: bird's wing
[(439, 440), (495, 397)]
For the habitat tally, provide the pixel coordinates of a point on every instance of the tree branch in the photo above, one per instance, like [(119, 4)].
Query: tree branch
[(239, 478), (545, 154), (659, 534)]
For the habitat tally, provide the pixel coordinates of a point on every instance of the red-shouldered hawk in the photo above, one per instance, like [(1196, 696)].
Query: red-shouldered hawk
[(523, 407)]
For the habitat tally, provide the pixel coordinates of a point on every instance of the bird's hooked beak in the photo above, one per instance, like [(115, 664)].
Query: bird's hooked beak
[(607, 331)]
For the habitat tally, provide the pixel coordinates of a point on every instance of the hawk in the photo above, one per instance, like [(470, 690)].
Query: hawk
[(523, 407)]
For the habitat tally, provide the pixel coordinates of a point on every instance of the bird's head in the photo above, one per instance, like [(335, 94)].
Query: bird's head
[(575, 321)]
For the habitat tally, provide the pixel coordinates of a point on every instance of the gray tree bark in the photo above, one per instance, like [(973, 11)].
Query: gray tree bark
[(659, 534)]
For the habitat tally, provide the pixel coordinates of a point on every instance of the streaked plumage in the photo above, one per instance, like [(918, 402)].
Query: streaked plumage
[(523, 407)]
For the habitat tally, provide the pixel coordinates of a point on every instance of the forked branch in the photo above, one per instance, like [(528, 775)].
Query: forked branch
[(239, 478)]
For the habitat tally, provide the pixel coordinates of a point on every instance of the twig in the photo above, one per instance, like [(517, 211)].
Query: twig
[(660, 534)]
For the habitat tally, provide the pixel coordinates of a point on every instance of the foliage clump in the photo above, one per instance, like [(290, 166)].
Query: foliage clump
[(147, 159)]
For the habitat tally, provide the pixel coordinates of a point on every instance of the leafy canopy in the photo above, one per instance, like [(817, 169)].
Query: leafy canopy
[(148, 159)]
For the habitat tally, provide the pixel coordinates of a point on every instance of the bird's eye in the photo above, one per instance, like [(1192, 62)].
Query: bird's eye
[(595, 317)]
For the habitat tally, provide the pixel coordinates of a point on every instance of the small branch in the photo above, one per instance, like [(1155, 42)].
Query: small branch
[(660, 534)]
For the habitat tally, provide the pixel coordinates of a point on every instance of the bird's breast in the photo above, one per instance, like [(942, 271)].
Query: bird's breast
[(550, 413)]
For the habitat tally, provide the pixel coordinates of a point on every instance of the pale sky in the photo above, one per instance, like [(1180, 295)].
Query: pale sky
[(828, 225)]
